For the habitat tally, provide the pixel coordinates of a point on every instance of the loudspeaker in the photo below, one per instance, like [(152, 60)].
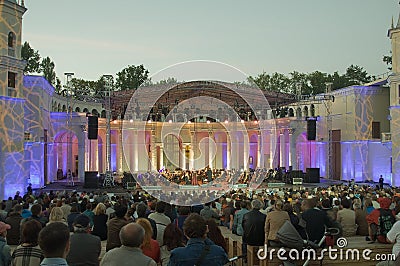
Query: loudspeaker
[(311, 129), (93, 125), (313, 175), (91, 180)]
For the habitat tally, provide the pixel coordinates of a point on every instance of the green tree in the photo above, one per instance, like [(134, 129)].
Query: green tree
[(356, 75), (47, 67), (131, 77), (275, 82), (388, 60), (299, 79), (318, 81), (32, 57)]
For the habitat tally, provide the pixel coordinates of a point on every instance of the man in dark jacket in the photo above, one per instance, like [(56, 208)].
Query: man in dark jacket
[(14, 219), (85, 248), (253, 226), (316, 220)]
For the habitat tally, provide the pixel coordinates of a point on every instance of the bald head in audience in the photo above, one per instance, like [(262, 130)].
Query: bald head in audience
[(132, 235)]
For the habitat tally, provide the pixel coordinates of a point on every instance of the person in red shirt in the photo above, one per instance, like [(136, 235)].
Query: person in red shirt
[(377, 231), (149, 246)]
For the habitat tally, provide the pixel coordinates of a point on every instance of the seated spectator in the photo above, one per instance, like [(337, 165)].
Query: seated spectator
[(294, 219), (14, 220), (56, 215), (347, 219), (36, 210), (215, 235), (361, 219), (380, 221), (316, 220), (89, 213), (72, 216), (85, 248), (161, 220), (28, 253), (131, 237), (199, 250), (54, 241), (114, 227), (238, 218), (183, 213), (5, 249), (172, 239), (149, 246), (393, 236), (368, 206), (100, 221), (273, 222), (141, 209), (253, 225), (208, 213)]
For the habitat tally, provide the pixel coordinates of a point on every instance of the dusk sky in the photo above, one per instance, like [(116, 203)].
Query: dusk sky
[(92, 38)]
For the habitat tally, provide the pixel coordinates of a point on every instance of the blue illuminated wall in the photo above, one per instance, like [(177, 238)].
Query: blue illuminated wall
[(13, 168)]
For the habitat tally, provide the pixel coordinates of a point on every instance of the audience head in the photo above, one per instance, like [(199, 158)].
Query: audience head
[(148, 230), (30, 232), (346, 203), (54, 240), (100, 209), (132, 235), (278, 205), (256, 204), (160, 206), (141, 209), (56, 214), (173, 236), (195, 226), (120, 210), (36, 209), (81, 223)]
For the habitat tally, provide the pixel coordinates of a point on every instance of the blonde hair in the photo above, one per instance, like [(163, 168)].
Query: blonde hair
[(100, 209), (56, 215), (148, 231)]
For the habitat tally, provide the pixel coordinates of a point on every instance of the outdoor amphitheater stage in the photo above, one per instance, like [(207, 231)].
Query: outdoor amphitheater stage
[(63, 185)]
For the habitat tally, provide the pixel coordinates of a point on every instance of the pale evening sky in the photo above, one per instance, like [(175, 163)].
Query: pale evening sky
[(92, 38)]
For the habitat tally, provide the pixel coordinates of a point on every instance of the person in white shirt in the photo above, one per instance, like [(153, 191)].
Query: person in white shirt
[(393, 236)]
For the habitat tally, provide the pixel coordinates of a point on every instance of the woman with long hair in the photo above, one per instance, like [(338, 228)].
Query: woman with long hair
[(215, 235), (100, 221), (149, 246), (173, 238)]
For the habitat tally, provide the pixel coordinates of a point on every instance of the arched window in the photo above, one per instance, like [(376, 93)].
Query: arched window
[(11, 39), (312, 110), (305, 111), (95, 112), (77, 109), (103, 114), (85, 110), (291, 112), (64, 108)]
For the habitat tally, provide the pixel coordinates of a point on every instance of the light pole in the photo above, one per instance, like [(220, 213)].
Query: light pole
[(68, 77), (108, 180)]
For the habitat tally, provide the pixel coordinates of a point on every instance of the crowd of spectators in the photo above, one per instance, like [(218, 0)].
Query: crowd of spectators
[(139, 228)]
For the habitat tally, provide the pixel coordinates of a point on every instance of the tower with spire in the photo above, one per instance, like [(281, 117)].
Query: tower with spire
[(394, 82), (11, 64)]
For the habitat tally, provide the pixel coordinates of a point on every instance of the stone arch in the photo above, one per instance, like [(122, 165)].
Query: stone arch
[(305, 111)]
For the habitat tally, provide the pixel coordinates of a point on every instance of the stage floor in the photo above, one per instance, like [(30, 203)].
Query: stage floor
[(63, 185)]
